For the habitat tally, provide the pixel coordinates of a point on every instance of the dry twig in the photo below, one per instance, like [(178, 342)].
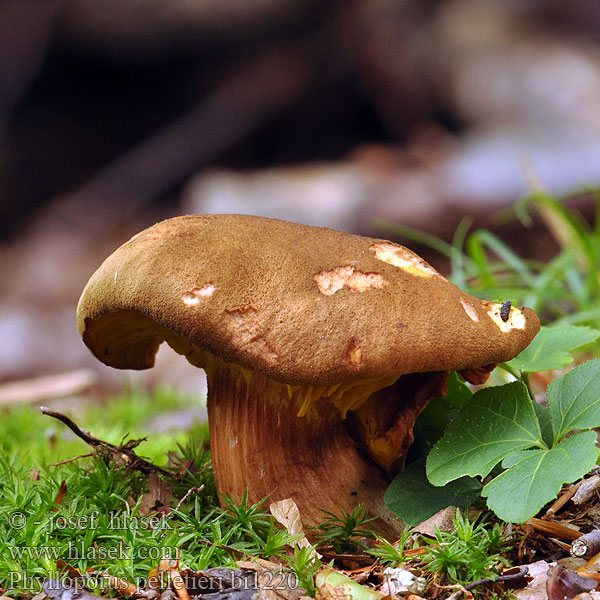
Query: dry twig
[(563, 499), (123, 452), (554, 529)]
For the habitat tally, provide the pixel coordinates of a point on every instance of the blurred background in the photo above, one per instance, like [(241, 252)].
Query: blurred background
[(348, 114)]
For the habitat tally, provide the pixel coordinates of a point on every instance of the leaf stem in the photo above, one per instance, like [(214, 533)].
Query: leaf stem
[(516, 374), (522, 376), (525, 379)]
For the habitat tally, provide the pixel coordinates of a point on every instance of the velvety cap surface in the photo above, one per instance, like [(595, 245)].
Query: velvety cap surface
[(300, 304)]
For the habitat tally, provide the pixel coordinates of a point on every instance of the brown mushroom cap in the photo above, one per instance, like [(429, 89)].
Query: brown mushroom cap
[(302, 305)]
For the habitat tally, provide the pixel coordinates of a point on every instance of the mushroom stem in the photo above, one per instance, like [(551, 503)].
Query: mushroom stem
[(259, 443)]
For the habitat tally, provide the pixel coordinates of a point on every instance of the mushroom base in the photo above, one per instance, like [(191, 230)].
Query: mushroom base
[(385, 421), (260, 444)]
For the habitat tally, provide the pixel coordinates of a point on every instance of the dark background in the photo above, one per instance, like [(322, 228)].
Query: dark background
[(117, 113)]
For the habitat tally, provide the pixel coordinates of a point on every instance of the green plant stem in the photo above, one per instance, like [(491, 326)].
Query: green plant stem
[(525, 379), (516, 374), (522, 376)]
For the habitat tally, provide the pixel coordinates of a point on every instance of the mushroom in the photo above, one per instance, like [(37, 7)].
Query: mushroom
[(320, 348)]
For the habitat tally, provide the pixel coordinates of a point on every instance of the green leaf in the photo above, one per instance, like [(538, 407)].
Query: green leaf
[(543, 416), (414, 499), (434, 419), (344, 586), (550, 348), (496, 421), (534, 477), (574, 399)]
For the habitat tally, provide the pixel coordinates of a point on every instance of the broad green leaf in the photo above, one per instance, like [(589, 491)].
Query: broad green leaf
[(534, 477), (495, 422), (434, 419), (414, 499), (574, 399), (543, 416), (551, 347)]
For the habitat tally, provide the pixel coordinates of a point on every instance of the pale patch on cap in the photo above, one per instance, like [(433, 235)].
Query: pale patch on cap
[(355, 353), (330, 282), (516, 319), (470, 310), (193, 297), (402, 258)]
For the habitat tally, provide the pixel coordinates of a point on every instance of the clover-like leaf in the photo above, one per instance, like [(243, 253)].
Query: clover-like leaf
[(543, 415), (414, 499), (574, 399), (434, 419), (551, 347), (534, 477), (495, 422)]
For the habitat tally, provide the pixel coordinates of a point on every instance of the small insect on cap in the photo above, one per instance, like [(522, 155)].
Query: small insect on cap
[(505, 311)]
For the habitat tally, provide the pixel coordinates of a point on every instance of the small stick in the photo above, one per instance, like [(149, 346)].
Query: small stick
[(587, 545), (586, 490), (179, 584), (563, 499), (518, 578), (123, 451), (192, 490), (562, 545), (68, 460), (554, 529)]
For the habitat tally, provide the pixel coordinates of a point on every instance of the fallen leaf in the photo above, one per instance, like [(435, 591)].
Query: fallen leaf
[(442, 520), (349, 561), (61, 493), (120, 585), (260, 565), (67, 569), (218, 578), (59, 590), (333, 584), (278, 585), (159, 493), (586, 490), (361, 574), (563, 584), (536, 589), (287, 513), (154, 579)]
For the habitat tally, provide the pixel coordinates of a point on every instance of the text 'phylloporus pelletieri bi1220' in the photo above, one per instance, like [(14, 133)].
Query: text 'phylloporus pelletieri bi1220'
[(320, 348)]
